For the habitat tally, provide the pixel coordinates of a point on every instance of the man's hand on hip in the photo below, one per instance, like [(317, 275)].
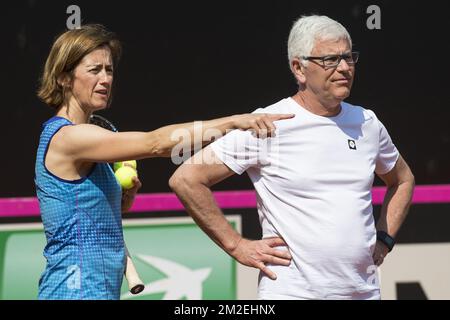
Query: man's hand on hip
[(379, 253), (256, 253)]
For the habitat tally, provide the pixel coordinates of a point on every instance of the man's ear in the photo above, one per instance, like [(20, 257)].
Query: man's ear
[(299, 70)]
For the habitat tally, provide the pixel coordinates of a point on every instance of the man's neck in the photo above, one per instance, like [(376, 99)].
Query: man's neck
[(314, 105)]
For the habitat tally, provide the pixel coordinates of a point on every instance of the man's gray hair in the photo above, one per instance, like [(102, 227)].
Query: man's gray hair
[(307, 29)]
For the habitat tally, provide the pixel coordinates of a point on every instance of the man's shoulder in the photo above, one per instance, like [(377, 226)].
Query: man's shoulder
[(246, 136), (282, 106), (359, 111)]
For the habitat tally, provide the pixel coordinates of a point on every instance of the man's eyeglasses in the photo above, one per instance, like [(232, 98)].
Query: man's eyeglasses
[(331, 61)]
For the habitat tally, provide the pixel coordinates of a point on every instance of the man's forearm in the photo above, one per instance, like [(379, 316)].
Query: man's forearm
[(395, 207), (200, 204)]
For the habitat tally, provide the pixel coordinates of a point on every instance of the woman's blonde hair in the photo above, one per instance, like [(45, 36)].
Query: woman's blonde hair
[(67, 52)]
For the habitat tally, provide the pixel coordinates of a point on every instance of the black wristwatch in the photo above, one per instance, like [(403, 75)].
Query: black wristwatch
[(386, 239)]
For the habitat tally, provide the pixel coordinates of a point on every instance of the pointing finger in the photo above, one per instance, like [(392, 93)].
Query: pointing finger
[(281, 116)]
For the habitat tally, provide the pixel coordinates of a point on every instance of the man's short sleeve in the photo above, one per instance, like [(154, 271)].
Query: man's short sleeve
[(238, 150), (387, 154)]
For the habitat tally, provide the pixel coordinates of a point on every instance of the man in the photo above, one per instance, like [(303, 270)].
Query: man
[(313, 180)]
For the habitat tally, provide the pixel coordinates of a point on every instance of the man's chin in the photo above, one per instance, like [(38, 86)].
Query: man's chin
[(342, 93)]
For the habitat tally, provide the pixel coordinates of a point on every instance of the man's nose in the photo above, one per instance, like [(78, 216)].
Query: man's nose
[(343, 65)]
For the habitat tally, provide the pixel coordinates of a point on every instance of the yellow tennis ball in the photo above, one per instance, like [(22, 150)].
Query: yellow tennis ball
[(117, 165), (129, 163), (124, 176)]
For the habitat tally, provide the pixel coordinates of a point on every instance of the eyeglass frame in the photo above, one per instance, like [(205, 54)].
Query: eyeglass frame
[(341, 57)]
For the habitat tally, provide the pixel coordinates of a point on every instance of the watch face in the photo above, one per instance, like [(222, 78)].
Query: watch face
[(390, 241), (386, 239)]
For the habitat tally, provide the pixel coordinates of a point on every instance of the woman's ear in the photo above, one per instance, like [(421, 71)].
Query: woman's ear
[(64, 80)]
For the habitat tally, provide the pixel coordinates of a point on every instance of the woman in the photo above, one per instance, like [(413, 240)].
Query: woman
[(80, 200)]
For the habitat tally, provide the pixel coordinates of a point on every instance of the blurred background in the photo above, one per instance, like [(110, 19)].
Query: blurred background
[(197, 60)]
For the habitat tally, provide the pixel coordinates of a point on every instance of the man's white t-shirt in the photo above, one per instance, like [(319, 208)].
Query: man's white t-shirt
[(313, 183)]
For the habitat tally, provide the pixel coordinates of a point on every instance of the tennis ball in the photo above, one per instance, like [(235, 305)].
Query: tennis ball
[(129, 163), (124, 176)]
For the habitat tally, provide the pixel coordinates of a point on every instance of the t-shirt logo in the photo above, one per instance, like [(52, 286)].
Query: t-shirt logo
[(352, 144)]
